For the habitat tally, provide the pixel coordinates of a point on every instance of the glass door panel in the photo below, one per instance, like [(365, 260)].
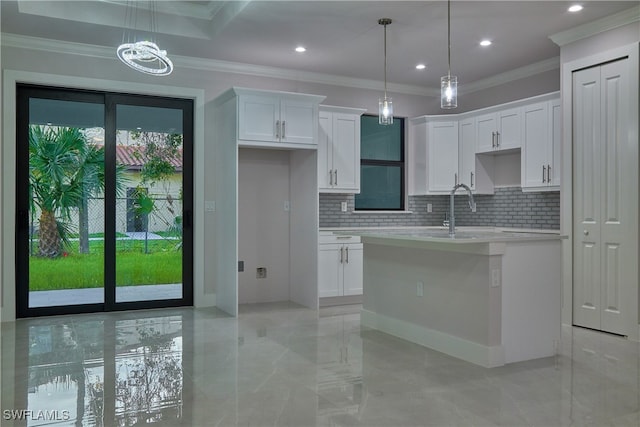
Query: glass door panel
[(149, 203), (65, 202)]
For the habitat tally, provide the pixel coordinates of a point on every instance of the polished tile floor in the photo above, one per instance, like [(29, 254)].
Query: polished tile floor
[(285, 365)]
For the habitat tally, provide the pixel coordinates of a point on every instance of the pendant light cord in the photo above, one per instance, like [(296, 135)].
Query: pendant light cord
[(449, 33), (385, 61)]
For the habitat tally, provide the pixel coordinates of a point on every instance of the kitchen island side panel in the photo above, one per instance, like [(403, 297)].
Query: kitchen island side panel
[(457, 297)]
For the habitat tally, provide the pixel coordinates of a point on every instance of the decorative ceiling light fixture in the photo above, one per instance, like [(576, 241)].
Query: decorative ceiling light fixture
[(144, 56), (449, 83), (385, 105)]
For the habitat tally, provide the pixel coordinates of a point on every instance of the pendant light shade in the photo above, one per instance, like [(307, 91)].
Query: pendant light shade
[(449, 83), (385, 104), (448, 92)]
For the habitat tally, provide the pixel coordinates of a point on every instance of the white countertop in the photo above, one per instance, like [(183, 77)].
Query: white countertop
[(440, 235)]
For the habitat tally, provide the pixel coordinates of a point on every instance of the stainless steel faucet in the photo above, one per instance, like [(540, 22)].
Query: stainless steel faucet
[(452, 218)]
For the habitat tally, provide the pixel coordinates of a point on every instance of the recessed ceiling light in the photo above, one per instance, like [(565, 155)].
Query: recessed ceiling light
[(420, 67), (301, 49), (485, 43), (575, 8)]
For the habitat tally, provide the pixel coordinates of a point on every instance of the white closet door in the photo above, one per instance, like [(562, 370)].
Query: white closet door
[(586, 198), (619, 230), (605, 200)]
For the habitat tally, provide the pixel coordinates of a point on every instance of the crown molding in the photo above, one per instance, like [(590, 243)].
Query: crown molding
[(95, 51), (607, 23), (103, 52), (512, 75)]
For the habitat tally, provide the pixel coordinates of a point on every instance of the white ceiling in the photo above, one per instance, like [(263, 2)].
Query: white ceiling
[(343, 38)]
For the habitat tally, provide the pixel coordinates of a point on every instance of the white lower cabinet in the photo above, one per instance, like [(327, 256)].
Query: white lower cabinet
[(340, 266)]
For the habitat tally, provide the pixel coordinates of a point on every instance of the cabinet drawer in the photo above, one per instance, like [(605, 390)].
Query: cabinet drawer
[(329, 237)]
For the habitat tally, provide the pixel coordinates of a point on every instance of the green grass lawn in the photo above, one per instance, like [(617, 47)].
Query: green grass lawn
[(162, 265)]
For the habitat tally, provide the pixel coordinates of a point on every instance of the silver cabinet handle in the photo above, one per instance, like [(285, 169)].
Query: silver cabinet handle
[(493, 139), (277, 129), (347, 250), (284, 129), (330, 177), (497, 139), (549, 174), (544, 173), (342, 255), (336, 179), (455, 179), (471, 179)]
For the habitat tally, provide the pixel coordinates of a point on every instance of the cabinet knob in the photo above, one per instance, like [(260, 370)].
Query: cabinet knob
[(586, 232)]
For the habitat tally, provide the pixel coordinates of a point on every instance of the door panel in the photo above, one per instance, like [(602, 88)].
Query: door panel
[(620, 216), (586, 130)]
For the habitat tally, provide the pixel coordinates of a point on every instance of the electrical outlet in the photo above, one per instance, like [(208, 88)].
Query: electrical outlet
[(420, 289), (429, 207), (343, 206), (287, 206), (261, 273)]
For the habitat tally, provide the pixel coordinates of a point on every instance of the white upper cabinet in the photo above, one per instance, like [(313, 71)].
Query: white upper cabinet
[(434, 148), (467, 152), (499, 130), (442, 156), (339, 150), (541, 146), (277, 118)]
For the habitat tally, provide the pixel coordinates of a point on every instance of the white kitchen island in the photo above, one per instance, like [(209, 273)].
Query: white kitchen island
[(488, 296)]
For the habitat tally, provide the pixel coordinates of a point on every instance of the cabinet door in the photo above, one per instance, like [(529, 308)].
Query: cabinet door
[(257, 118), (346, 152), (556, 142), (325, 152), (442, 152), (467, 153), (298, 122), (509, 129), (485, 133), (353, 269), (535, 134), (330, 261)]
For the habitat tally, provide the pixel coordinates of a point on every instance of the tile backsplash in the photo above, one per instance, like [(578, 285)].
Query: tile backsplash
[(508, 207)]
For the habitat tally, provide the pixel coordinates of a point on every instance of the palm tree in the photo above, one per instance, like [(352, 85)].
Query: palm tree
[(63, 170)]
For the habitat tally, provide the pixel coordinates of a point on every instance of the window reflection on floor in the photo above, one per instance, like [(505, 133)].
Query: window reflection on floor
[(136, 364)]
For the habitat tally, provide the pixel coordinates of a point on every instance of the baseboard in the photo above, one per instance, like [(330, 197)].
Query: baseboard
[(472, 352), (345, 300)]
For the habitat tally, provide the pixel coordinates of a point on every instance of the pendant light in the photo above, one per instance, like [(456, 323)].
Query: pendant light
[(385, 105), (142, 55), (449, 83)]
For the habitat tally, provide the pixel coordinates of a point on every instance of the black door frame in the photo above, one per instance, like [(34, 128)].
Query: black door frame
[(110, 100)]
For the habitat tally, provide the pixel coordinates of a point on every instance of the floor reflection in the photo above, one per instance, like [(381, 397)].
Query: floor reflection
[(285, 365), (112, 371)]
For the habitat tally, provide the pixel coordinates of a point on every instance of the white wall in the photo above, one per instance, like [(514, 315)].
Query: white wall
[(263, 224)]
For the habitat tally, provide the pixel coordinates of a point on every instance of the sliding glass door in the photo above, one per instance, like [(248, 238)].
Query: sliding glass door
[(104, 198)]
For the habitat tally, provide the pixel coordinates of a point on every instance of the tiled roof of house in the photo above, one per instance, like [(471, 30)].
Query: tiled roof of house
[(126, 155)]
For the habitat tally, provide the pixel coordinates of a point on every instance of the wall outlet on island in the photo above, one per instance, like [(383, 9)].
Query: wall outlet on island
[(420, 289), (429, 208), (343, 206)]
